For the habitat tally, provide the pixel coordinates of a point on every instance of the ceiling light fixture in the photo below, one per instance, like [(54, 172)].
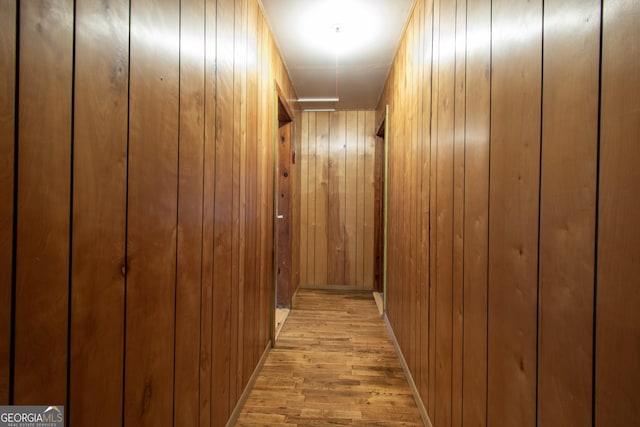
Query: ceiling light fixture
[(318, 99)]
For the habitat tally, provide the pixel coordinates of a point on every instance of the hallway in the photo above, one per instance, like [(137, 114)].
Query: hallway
[(333, 364)]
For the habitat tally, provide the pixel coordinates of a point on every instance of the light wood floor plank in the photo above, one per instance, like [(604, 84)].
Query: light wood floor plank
[(334, 364)]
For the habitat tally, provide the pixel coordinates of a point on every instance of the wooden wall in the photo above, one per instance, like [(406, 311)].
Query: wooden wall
[(513, 223), (336, 198), (136, 229)]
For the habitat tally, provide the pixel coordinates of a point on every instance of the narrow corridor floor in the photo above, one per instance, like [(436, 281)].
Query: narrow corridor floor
[(334, 364)]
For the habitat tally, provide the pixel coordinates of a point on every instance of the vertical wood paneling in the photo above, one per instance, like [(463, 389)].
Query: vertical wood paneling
[(153, 193), (338, 201), (237, 291), (477, 135), (336, 246), (425, 170), (459, 141), (444, 213), (513, 223), (305, 224), (8, 16), (190, 208), (416, 138), (433, 251), (509, 172), (43, 201), (222, 253), (312, 197), (360, 185), (567, 212), (251, 352), (99, 213), (322, 198), (618, 297), (208, 220), (144, 206), (351, 181)]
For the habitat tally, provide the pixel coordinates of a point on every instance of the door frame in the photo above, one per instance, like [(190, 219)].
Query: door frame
[(382, 131), (284, 117)]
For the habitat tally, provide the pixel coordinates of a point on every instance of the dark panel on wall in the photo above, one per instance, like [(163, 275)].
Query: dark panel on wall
[(99, 212), (617, 372), (567, 211), (513, 206), (152, 213), (190, 209), (8, 15), (477, 129), (44, 202)]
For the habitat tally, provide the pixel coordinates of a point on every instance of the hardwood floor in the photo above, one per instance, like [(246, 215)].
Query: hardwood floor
[(334, 364)]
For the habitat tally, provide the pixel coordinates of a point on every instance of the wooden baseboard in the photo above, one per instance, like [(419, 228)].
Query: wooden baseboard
[(412, 385), (247, 390)]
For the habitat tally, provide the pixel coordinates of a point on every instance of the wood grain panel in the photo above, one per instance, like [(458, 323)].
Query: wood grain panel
[(312, 212), (340, 208), (477, 135), (305, 224), (351, 182), (237, 221), (208, 222), (336, 199), (360, 137), (416, 136), (444, 213), (190, 209), (618, 326), (322, 197), (99, 212), (222, 253), (43, 202), (425, 170), (568, 212), (8, 35), (513, 223), (433, 223), (459, 141), (251, 353), (152, 213), (266, 263)]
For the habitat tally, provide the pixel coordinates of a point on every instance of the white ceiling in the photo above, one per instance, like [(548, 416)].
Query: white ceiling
[(364, 46)]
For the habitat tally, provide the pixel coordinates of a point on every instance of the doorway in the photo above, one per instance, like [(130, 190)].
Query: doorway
[(283, 213), (380, 208)]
